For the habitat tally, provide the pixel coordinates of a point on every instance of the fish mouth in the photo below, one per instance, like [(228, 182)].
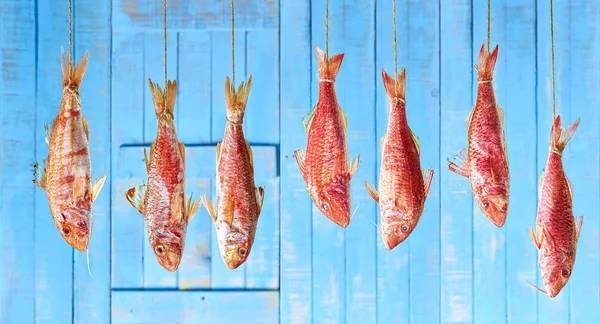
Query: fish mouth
[(171, 263), (497, 220), (343, 221)]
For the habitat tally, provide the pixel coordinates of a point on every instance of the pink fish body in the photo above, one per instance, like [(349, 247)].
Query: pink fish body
[(556, 233), (324, 163), (403, 186), (486, 161)]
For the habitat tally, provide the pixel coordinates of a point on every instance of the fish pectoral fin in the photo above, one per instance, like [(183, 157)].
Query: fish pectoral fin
[(344, 119), (210, 208), (382, 142), (469, 117), (541, 182), (39, 176), (218, 153), (548, 238), (307, 120), (427, 178), (300, 155), (135, 196), (182, 151), (570, 187), (85, 128), (459, 167), (79, 184), (417, 142), (250, 154), (146, 159), (354, 166), (500, 114), (48, 128), (578, 226), (372, 191), (97, 187), (191, 208), (534, 238), (260, 198)]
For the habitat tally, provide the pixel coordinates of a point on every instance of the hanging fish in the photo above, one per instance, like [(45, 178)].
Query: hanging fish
[(324, 163), (162, 201), (66, 174), (239, 202), (403, 187), (486, 161), (556, 232)]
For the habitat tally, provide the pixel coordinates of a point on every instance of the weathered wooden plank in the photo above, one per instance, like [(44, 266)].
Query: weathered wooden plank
[(583, 151), (223, 277), (17, 194), (128, 86), (194, 307), (328, 239), (358, 101), (392, 266), (489, 241), (296, 285), (518, 91), (456, 197), (554, 310), (423, 98), (194, 15), (92, 294)]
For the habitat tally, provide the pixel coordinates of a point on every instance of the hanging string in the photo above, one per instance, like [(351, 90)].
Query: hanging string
[(395, 45), (552, 41), (232, 44), (70, 30), (165, 39), (327, 30), (489, 25)]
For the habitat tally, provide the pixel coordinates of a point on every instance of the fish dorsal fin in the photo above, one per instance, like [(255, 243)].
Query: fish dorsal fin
[(49, 128), (191, 208), (39, 176), (85, 128), (307, 120), (250, 155), (300, 155), (97, 187), (578, 226), (460, 164), (135, 196), (146, 159), (500, 114), (469, 117), (541, 182), (372, 191), (260, 198), (534, 238), (344, 119), (382, 142), (354, 166), (182, 151), (210, 208), (417, 142), (218, 153), (570, 187)]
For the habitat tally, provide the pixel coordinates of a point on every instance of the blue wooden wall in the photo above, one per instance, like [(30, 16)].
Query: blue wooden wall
[(455, 268)]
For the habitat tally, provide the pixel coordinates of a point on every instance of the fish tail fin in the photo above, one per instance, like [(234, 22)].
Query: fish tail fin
[(236, 100), (560, 137), (72, 74), (328, 67), (395, 88), (486, 63), (163, 102)]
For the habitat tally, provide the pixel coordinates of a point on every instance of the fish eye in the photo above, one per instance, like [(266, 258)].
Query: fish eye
[(66, 230), (485, 204), (242, 251), (325, 206), (565, 273), (404, 228), (159, 249)]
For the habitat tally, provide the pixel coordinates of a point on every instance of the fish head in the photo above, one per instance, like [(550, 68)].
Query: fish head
[(74, 224), (168, 248), (556, 271), (396, 227), (334, 202), (493, 201), (233, 245)]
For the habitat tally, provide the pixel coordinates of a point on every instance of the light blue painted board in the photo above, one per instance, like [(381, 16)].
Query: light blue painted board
[(489, 241), (54, 257), (358, 100), (456, 223), (423, 98), (194, 307), (127, 225), (296, 285), (328, 239), (17, 194), (92, 294), (392, 266), (147, 15), (554, 310), (583, 153), (518, 90), (221, 52)]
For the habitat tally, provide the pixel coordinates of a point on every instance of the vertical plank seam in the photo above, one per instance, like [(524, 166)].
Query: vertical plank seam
[(35, 118), (110, 164), (279, 173), (375, 88), (472, 203), (505, 228), (537, 139), (440, 155), (311, 77)]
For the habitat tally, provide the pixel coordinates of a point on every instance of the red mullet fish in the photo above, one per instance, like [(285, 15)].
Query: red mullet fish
[(66, 175), (486, 161), (403, 187), (556, 233), (324, 163), (162, 201), (239, 202)]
